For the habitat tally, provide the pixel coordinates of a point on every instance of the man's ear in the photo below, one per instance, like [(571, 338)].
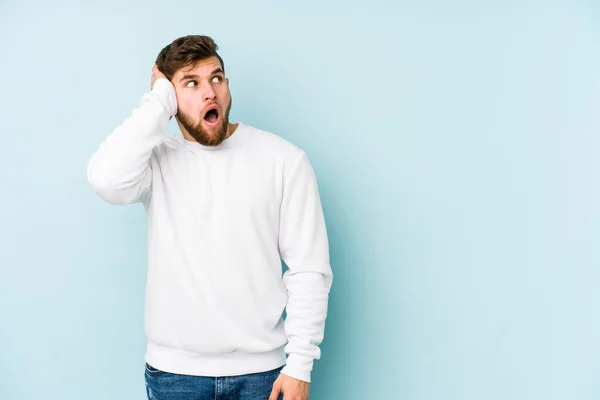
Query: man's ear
[(227, 80)]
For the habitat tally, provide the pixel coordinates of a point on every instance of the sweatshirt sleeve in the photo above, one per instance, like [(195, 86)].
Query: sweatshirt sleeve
[(119, 171), (303, 245)]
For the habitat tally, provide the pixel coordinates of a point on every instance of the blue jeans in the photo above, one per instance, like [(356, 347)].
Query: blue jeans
[(161, 385)]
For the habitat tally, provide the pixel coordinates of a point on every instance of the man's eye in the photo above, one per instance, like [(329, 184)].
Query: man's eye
[(188, 84), (217, 79)]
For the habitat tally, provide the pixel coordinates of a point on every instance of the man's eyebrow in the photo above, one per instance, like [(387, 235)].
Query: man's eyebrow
[(188, 77), (194, 76)]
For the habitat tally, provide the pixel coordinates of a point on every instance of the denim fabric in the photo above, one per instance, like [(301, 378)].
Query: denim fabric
[(161, 385)]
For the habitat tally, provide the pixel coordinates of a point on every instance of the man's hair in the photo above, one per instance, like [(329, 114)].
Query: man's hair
[(185, 52)]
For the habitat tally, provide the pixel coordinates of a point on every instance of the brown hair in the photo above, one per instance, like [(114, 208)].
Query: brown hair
[(185, 52)]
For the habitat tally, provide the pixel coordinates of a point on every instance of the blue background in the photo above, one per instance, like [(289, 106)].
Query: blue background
[(456, 146)]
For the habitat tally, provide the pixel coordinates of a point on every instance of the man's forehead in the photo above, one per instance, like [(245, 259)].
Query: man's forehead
[(202, 67)]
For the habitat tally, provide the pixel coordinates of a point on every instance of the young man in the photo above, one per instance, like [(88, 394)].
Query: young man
[(225, 203)]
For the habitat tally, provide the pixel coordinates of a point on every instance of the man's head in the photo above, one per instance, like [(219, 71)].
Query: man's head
[(197, 72)]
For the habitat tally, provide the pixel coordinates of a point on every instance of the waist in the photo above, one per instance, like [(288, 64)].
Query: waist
[(183, 362)]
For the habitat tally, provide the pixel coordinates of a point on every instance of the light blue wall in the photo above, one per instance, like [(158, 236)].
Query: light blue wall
[(457, 150)]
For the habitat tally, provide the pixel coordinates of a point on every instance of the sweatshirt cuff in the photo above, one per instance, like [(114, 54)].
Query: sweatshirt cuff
[(298, 366), (165, 92)]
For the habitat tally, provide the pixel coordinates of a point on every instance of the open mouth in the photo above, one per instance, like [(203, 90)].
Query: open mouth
[(211, 116)]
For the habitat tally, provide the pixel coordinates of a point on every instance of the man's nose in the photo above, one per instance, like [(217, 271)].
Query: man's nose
[(208, 93)]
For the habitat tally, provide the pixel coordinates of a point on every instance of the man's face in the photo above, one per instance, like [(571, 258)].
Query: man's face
[(203, 101)]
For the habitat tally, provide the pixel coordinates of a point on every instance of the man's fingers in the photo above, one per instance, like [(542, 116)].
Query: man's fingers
[(156, 73), (153, 76), (276, 390)]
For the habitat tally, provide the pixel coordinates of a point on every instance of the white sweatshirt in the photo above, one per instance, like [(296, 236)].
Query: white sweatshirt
[(220, 219)]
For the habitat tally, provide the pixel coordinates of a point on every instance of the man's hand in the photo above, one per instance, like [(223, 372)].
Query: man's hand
[(292, 388), (155, 75)]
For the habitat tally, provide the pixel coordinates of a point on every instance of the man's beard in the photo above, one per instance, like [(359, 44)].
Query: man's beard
[(200, 134)]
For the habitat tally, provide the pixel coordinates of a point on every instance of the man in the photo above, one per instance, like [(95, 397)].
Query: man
[(226, 203)]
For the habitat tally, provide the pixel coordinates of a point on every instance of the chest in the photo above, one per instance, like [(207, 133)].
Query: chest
[(229, 187)]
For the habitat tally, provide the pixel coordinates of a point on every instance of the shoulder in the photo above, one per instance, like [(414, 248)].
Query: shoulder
[(271, 143), (171, 143)]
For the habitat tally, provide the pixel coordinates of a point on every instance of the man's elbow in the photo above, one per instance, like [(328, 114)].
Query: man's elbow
[(111, 191)]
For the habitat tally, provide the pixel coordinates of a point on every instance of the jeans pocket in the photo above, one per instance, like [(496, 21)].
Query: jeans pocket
[(150, 370)]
